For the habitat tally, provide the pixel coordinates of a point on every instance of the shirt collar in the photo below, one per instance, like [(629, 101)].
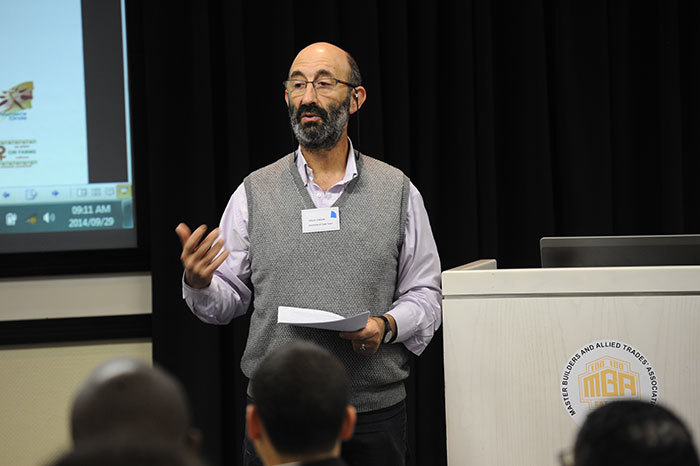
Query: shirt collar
[(305, 171)]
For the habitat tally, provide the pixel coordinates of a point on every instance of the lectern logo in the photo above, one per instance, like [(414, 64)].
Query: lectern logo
[(607, 379), (603, 371)]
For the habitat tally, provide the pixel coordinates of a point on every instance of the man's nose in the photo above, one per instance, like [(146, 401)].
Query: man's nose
[(309, 94)]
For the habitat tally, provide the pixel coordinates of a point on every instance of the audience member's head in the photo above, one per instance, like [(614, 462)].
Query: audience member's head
[(634, 433), (300, 407), (127, 399), (129, 452)]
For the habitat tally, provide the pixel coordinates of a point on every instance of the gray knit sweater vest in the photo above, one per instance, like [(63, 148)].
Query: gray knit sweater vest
[(346, 272)]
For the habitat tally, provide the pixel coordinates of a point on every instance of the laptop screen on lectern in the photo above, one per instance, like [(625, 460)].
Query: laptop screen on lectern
[(612, 251)]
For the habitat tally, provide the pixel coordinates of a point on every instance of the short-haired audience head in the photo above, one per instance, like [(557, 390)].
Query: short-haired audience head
[(301, 399), (634, 433), (126, 398)]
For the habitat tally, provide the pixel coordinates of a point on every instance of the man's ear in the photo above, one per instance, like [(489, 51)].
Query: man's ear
[(348, 427), (286, 98), (253, 423), (358, 97)]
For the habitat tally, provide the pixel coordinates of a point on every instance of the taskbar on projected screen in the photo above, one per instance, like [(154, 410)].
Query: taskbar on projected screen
[(85, 208)]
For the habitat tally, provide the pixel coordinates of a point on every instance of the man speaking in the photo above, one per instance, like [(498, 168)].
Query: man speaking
[(377, 254)]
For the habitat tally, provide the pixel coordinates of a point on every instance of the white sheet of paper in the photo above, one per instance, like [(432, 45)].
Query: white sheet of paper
[(321, 319)]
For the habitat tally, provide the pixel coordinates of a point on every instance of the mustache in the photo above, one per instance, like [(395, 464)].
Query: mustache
[(311, 109)]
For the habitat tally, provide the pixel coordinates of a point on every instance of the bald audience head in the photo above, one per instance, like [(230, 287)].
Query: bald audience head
[(129, 453), (127, 398)]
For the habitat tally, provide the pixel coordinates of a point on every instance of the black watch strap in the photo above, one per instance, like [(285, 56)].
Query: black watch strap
[(388, 336)]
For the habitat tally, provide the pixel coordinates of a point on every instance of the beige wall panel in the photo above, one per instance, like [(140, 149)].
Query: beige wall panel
[(75, 296)]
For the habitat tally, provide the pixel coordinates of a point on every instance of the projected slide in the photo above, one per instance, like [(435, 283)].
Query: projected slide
[(65, 151), (43, 127)]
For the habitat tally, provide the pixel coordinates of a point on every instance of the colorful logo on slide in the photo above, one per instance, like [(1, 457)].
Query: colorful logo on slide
[(16, 99)]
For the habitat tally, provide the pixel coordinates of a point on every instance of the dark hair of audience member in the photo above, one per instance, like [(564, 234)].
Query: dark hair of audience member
[(301, 393), (628, 432)]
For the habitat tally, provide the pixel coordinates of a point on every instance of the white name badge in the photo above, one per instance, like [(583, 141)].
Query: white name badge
[(322, 219)]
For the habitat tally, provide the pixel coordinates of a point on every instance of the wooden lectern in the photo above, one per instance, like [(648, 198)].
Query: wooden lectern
[(519, 344)]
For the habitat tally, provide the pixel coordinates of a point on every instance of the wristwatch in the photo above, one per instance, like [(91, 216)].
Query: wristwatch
[(388, 333)]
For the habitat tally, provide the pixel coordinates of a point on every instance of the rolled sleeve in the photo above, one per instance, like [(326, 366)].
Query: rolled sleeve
[(228, 295), (417, 306)]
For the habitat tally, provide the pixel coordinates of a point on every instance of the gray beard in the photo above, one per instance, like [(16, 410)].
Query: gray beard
[(324, 135)]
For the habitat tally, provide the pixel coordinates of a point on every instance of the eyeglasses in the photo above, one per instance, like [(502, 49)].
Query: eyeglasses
[(323, 86)]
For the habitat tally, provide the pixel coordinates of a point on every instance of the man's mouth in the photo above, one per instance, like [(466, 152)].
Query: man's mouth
[(309, 117)]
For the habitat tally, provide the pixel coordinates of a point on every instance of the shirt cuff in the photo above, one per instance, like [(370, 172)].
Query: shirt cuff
[(196, 293), (407, 332)]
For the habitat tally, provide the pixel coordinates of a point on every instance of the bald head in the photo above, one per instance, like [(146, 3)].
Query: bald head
[(128, 398), (328, 57)]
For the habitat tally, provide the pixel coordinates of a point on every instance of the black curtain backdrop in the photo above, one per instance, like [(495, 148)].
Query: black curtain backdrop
[(515, 119)]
